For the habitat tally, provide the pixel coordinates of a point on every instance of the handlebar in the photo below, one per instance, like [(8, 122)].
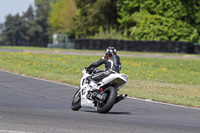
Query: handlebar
[(91, 70)]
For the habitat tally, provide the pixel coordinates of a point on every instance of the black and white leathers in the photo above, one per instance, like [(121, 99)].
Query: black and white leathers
[(112, 65)]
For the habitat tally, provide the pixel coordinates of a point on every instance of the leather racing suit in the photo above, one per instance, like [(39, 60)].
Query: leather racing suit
[(112, 65)]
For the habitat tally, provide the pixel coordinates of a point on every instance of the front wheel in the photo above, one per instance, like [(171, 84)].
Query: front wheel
[(76, 101), (109, 101)]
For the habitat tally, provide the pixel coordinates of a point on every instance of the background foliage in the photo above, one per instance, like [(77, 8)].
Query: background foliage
[(30, 29), (61, 16), (176, 20)]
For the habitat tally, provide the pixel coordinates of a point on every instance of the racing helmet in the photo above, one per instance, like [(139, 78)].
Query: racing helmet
[(110, 50)]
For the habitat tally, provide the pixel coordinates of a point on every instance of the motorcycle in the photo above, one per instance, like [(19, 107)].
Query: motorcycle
[(103, 98)]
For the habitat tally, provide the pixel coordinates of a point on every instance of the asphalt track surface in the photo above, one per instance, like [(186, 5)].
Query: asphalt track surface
[(29, 105)]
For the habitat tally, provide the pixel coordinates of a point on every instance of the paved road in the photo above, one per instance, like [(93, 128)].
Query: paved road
[(32, 105)]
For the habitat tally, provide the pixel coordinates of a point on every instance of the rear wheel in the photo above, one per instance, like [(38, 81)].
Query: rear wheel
[(111, 95), (76, 101)]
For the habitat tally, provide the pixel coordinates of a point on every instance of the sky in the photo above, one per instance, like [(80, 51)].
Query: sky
[(13, 7)]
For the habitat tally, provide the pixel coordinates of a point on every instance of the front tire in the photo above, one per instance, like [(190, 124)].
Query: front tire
[(109, 102), (76, 101)]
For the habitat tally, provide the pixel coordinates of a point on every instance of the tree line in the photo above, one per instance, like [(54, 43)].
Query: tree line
[(175, 20), (29, 29)]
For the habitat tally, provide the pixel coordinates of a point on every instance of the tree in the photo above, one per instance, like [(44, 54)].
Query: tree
[(28, 29), (160, 20), (42, 26), (1, 33), (87, 18), (42, 14), (93, 14), (46, 4), (11, 31), (109, 10), (61, 16), (83, 18)]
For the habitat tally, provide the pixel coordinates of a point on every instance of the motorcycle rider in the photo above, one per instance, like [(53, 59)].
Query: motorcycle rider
[(112, 65)]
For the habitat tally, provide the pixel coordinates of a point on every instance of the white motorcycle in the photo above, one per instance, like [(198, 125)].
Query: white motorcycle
[(102, 98)]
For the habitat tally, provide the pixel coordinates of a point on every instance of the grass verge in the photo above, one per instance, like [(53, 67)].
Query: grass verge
[(95, 51), (165, 80)]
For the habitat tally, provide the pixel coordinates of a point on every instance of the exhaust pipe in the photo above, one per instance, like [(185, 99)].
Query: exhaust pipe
[(121, 97)]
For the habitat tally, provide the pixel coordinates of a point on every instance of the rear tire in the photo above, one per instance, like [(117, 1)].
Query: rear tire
[(109, 102), (76, 101)]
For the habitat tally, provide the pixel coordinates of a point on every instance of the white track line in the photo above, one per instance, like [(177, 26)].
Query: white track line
[(9, 131), (40, 79), (180, 106), (65, 84)]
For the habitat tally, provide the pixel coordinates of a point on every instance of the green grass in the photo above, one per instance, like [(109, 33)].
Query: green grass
[(166, 80), (93, 51)]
